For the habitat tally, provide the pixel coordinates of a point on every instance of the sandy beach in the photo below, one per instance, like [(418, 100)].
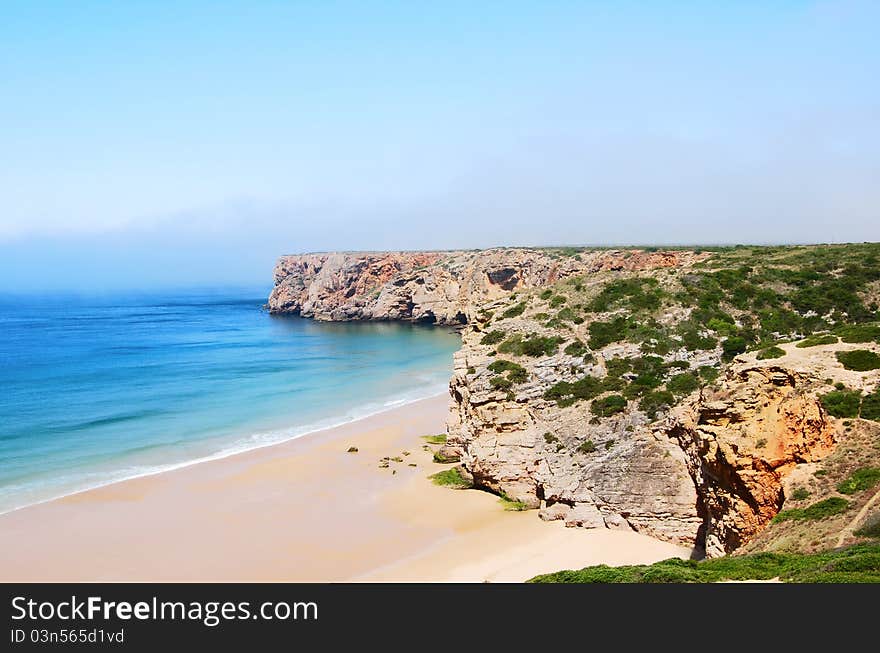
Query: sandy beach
[(305, 510)]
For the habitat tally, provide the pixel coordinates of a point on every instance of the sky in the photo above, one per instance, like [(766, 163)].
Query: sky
[(153, 144)]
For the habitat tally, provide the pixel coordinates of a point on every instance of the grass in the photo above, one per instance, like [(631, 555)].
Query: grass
[(854, 564), (451, 478), (435, 439), (859, 360), (861, 479), (815, 341), (814, 512)]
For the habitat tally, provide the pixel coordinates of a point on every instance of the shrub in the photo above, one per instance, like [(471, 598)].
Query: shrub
[(604, 333), (860, 360), (492, 338), (655, 402), (862, 479), (607, 406), (733, 346), (558, 301), (770, 352), (576, 348), (871, 406), (682, 384), (534, 346), (546, 294), (708, 373), (500, 383), (587, 447), (859, 333), (800, 494), (841, 403), (813, 341), (549, 438), (814, 512), (514, 311)]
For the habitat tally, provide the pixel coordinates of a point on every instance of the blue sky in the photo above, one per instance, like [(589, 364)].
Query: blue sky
[(160, 143)]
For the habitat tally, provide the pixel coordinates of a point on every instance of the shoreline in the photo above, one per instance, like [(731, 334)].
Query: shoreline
[(305, 510), (388, 406)]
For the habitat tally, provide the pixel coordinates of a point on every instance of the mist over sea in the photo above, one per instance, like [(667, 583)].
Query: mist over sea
[(99, 389)]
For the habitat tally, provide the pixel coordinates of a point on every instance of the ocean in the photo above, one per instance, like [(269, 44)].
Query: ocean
[(100, 389)]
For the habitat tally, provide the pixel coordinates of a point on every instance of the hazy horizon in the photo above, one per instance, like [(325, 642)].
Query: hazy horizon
[(191, 145)]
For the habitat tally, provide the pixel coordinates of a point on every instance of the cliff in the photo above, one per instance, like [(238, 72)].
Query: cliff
[(655, 391), (433, 287)]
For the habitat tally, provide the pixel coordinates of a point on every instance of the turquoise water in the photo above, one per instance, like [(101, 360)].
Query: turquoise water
[(95, 390)]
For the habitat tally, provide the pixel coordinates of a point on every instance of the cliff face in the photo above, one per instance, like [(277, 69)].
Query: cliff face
[(611, 389), (433, 287), (741, 439)]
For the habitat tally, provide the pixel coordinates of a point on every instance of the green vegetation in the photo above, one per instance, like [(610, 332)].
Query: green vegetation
[(656, 402), (511, 504), (683, 384), (451, 478), (770, 352), (607, 406), (515, 373), (814, 512), (558, 301), (859, 333), (861, 479), (815, 341), (733, 346), (534, 346), (435, 439), (566, 393), (604, 333), (635, 294), (708, 373), (576, 348), (514, 311), (500, 383), (546, 293), (871, 406), (587, 447), (842, 403), (860, 360), (493, 338), (800, 494), (855, 564), (549, 438)]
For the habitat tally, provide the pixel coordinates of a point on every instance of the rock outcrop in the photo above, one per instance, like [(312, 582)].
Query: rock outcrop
[(615, 474), (433, 287), (741, 439)]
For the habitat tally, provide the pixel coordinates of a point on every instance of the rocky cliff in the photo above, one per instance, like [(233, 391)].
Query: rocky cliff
[(625, 389), (433, 287)]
